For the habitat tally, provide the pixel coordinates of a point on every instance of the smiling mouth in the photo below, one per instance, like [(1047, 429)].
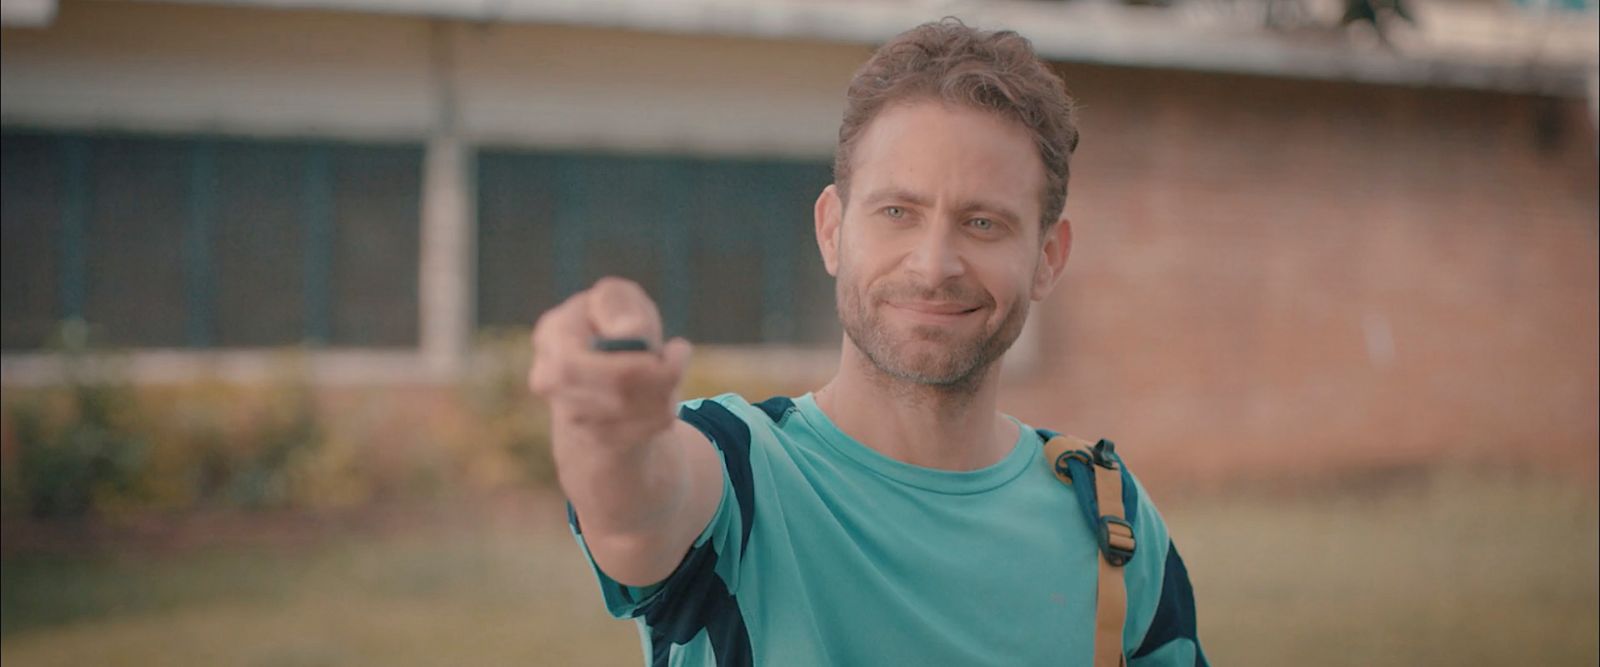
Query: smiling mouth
[(935, 311)]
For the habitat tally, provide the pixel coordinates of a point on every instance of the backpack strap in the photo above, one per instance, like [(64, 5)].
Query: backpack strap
[(1095, 473)]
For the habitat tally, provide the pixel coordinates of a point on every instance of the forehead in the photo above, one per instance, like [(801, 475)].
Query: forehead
[(940, 150)]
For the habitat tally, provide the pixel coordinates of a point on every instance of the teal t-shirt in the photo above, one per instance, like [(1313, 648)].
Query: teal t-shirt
[(823, 551)]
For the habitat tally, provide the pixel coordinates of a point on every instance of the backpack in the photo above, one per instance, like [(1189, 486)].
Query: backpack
[(1094, 472)]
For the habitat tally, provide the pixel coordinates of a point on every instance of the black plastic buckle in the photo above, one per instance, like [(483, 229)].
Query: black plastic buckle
[(1115, 554), (1105, 454)]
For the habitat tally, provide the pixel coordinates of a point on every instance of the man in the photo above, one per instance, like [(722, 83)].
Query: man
[(893, 516)]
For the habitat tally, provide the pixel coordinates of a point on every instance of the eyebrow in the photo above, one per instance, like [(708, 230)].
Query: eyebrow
[(895, 194), (892, 194)]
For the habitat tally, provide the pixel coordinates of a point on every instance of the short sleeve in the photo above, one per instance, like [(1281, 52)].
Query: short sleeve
[(624, 601), (708, 573), (1161, 629)]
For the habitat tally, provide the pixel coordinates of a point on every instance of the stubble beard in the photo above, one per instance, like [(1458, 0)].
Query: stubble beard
[(951, 365)]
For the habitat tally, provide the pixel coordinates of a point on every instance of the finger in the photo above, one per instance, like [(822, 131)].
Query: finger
[(640, 381), (567, 322), (548, 373), (627, 374), (611, 412), (590, 405), (620, 308), (675, 355), (560, 334)]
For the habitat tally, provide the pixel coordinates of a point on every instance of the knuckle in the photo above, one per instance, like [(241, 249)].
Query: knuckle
[(616, 282), (615, 384), (589, 378), (541, 333), (630, 376), (551, 376), (542, 329)]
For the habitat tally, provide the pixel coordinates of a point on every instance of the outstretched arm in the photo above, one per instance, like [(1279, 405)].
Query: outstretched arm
[(643, 483)]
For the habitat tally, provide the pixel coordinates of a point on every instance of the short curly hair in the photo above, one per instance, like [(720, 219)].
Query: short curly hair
[(994, 71)]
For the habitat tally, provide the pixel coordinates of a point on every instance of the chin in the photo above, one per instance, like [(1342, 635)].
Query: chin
[(928, 363)]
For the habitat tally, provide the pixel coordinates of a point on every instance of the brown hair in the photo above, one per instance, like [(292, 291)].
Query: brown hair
[(990, 71)]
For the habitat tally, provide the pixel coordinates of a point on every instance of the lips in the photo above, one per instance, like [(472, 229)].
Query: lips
[(934, 314), (935, 308)]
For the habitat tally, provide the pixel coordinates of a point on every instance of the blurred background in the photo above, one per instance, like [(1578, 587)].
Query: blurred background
[(269, 267)]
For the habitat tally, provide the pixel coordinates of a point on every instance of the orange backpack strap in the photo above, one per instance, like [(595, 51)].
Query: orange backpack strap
[(1072, 460)]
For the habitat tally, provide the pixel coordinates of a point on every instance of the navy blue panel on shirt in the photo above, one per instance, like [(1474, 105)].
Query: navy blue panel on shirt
[(695, 598), (731, 435), (1175, 616), (777, 408)]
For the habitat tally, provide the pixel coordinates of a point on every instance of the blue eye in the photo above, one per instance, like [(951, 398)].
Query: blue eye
[(984, 224), (894, 212)]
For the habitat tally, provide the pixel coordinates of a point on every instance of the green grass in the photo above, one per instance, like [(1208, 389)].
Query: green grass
[(486, 592), (1459, 570)]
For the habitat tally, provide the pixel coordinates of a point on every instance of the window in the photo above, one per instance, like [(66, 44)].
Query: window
[(724, 246), (30, 236), (209, 242)]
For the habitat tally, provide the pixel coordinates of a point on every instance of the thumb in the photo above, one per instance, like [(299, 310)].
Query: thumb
[(620, 308)]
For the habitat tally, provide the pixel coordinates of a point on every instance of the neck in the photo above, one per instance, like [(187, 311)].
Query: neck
[(946, 427)]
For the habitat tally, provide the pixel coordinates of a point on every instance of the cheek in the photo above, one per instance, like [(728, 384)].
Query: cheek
[(845, 261), (860, 262), (1007, 277), (853, 281)]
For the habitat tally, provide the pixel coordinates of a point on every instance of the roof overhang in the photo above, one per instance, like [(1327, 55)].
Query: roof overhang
[(1453, 44)]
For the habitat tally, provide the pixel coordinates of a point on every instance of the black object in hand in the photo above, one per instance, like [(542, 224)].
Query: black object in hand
[(619, 344)]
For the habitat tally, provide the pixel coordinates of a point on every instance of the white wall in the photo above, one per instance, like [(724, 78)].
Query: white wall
[(448, 85), (182, 68), (192, 69), (581, 87)]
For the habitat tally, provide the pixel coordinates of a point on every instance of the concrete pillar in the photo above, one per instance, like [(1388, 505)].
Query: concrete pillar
[(449, 223), (447, 299)]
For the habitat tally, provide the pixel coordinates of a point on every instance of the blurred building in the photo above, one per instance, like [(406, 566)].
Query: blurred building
[(1285, 224)]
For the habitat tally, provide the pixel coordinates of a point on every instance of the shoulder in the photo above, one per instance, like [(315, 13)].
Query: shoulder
[(736, 407), (743, 432), (1160, 599), (1137, 506), (731, 421), (1146, 569)]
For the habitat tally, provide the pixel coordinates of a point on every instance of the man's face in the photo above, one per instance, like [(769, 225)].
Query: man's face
[(937, 253)]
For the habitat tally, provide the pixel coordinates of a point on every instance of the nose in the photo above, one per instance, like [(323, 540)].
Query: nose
[(936, 257)]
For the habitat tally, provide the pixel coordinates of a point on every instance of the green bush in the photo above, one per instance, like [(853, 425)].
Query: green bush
[(512, 428), (76, 447), (100, 445), (103, 446), (85, 458)]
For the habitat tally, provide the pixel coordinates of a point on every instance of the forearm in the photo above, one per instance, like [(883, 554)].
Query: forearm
[(640, 491), (628, 490), (641, 507)]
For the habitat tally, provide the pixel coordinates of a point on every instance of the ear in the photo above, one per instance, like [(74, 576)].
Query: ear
[(1052, 258), (828, 214)]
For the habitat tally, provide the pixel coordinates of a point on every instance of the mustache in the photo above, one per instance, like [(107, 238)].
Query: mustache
[(948, 292)]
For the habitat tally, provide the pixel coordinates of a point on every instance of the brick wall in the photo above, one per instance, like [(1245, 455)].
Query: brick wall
[(1275, 275)]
